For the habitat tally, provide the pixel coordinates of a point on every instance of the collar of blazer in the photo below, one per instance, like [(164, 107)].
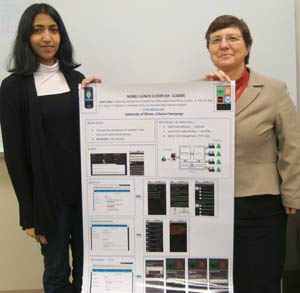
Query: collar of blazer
[(255, 86)]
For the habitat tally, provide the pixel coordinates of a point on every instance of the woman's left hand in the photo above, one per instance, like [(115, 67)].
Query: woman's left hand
[(290, 211), (86, 81)]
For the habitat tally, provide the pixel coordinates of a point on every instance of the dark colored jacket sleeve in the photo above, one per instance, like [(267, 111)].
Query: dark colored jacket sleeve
[(76, 78), (16, 152)]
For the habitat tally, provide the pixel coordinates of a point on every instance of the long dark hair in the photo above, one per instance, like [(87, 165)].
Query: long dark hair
[(23, 59)]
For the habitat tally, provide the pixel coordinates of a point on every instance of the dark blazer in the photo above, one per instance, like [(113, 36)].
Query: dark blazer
[(25, 150), (267, 141)]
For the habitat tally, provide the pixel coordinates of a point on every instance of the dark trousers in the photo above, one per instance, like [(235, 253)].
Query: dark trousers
[(259, 244), (291, 276), (56, 253)]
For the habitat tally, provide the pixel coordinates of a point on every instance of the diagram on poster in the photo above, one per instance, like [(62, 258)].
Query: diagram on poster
[(157, 187)]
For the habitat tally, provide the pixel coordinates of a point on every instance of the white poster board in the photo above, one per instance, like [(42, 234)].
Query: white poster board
[(157, 187)]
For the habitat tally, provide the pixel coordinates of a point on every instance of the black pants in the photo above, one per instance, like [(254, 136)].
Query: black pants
[(259, 244), (57, 272), (291, 276)]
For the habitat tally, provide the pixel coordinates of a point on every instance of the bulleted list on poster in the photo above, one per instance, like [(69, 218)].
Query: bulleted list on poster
[(157, 187)]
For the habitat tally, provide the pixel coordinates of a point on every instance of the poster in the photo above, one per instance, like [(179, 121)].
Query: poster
[(157, 187)]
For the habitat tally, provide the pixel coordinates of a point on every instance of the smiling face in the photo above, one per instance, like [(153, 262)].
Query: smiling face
[(45, 38), (228, 50)]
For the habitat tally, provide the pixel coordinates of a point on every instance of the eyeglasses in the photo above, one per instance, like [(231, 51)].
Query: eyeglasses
[(231, 39)]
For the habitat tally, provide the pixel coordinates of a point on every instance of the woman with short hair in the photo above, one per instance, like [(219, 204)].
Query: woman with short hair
[(267, 159)]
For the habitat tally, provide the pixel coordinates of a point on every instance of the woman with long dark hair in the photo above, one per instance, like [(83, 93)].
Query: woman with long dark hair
[(39, 117)]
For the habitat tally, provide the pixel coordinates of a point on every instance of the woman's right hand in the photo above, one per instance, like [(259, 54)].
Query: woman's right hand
[(218, 75), (39, 238), (290, 211)]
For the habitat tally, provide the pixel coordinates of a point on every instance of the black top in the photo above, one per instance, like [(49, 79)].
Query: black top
[(30, 154), (61, 139)]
